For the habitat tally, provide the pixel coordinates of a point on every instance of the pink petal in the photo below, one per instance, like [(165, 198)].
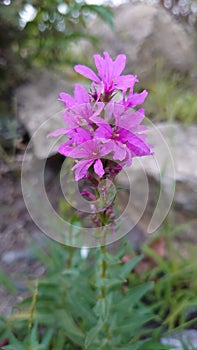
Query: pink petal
[(65, 149), (81, 168), (130, 119), (136, 99), (106, 148), (98, 168), (86, 72), (81, 95), (120, 151), (126, 81), (58, 132), (108, 69), (67, 99), (103, 132), (79, 152), (137, 146), (98, 120), (100, 65), (119, 64)]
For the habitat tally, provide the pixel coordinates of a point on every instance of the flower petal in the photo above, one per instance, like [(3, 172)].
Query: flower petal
[(130, 119), (67, 99), (119, 64), (65, 149), (81, 95), (120, 151), (136, 99), (103, 132), (58, 132), (81, 168), (138, 146), (126, 81), (100, 65), (98, 120), (86, 72), (79, 151), (98, 168)]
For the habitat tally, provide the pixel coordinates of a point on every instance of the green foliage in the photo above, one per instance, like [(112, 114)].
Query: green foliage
[(41, 32), (173, 99), (48, 24), (101, 302), (174, 296), (67, 310)]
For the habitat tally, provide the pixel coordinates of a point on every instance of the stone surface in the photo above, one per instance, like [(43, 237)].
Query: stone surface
[(167, 180), (40, 111), (186, 337), (146, 34)]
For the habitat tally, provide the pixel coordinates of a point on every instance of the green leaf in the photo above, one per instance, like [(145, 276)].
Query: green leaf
[(47, 338), (129, 266), (69, 326), (34, 335), (15, 344), (133, 296), (7, 282), (81, 309), (92, 334), (103, 12), (133, 325), (101, 309), (136, 346)]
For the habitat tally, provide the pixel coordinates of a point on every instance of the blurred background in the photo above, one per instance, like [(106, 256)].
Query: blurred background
[(40, 42)]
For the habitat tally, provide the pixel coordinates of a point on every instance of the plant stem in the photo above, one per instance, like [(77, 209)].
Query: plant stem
[(103, 271)]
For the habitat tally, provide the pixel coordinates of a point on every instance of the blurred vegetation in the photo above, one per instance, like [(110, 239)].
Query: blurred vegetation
[(147, 297), (172, 98), (40, 32)]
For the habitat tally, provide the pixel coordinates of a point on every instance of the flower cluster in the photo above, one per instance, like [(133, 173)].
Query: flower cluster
[(101, 133)]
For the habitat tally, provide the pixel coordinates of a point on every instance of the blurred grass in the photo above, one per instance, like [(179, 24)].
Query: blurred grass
[(172, 97)]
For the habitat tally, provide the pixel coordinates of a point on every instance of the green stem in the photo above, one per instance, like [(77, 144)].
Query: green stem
[(103, 271)]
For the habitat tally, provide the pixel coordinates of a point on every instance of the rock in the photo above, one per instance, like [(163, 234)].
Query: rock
[(171, 172), (40, 111), (146, 34), (179, 340), (13, 256)]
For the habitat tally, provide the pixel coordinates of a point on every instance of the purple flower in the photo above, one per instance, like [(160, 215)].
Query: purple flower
[(112, 138), (91, 151), (123, 143), (108, 79), (96, 126), (134, 100), (117, 114), (76, 137), (78, 112), (80, 96)]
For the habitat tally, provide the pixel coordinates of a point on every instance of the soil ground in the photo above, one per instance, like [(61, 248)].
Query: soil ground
[(18, 234)]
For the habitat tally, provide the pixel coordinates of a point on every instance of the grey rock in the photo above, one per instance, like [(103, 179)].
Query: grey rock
[(13, 256), (172, 172), (146, 34), (40, 111), (186, 337)]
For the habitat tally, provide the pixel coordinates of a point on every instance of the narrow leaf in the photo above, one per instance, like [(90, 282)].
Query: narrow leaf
[(91, 335), (129, 266)]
